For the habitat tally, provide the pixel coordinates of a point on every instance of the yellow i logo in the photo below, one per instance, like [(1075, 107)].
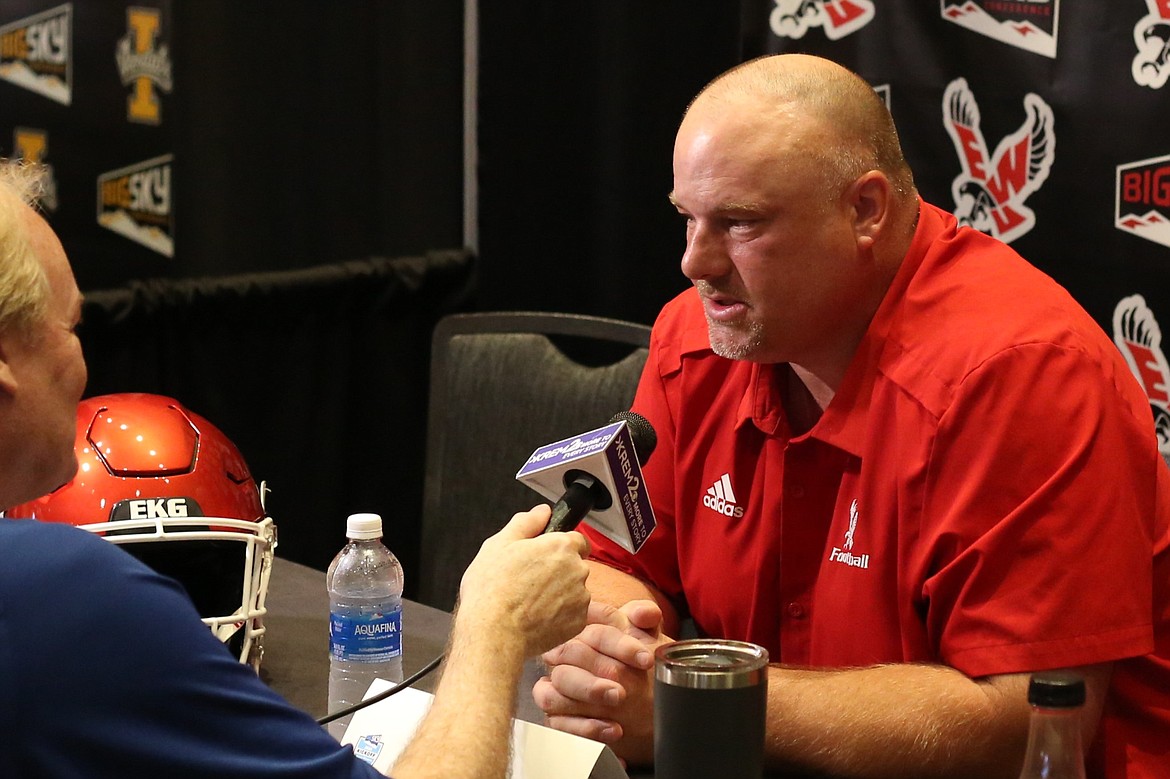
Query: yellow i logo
[(143, 103), (30, 144)]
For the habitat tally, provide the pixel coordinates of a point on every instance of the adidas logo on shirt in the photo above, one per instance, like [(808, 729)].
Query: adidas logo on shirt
[(721, 498)]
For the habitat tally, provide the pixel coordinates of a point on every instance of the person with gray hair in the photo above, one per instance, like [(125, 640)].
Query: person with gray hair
[(105, 666), (891, 452)]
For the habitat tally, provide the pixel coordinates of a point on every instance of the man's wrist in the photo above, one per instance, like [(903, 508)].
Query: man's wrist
[(487, 630)]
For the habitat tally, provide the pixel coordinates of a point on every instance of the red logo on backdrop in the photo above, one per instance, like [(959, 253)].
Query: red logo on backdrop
[(1151, 66), (838, 18), (1143, 199), (990, 192), (1026, 24), (1137, 335)]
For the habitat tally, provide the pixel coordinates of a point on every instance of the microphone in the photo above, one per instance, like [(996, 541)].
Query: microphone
[(597, 476)]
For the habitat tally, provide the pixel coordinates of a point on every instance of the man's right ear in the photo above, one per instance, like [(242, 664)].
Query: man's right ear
[(8, 382)]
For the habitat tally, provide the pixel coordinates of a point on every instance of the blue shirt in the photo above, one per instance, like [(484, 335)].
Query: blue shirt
[(106, 670)]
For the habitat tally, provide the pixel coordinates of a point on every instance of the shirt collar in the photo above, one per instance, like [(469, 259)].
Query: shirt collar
[(843, 423)]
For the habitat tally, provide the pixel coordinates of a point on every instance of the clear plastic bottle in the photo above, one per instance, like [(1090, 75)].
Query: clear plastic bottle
[(1054, 733), (365, 616)]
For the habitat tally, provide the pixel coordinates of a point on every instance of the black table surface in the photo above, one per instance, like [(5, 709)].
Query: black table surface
[(296, 646)]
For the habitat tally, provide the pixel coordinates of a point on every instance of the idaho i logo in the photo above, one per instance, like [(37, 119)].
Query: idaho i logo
[(144, 64), (32, 145)]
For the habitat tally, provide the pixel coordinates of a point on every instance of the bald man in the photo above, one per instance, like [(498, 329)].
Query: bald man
[(890, 451)]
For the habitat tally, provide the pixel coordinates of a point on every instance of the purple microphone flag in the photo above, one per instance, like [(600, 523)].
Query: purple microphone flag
[(608, 454)]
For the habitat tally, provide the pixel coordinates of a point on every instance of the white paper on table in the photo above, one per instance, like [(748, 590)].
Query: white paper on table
[(379, 733)]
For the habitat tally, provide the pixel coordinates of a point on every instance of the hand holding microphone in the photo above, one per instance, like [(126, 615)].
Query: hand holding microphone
[(597, 476), (526, 585)]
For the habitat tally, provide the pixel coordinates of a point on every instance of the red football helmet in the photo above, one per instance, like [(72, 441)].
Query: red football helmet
[(151, 471)]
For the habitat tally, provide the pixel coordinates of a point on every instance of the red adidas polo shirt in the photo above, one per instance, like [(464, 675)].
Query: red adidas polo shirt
[(982, 491)]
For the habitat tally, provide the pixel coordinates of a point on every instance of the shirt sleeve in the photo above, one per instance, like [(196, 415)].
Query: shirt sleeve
[(108, 664), (1037, 524)]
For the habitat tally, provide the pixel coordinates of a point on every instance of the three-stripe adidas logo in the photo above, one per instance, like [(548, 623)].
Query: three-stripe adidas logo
[(721, 498)]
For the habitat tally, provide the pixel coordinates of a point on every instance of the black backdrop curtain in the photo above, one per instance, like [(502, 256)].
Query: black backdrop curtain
[(578, 105), (295, 132)]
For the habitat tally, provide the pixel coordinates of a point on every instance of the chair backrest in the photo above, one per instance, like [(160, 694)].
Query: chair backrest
[(503, 384)]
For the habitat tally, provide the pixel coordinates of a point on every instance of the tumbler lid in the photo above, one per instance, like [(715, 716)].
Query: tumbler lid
[(705, 663)]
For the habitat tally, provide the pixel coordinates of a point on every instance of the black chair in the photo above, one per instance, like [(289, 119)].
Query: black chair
[(503, 384)]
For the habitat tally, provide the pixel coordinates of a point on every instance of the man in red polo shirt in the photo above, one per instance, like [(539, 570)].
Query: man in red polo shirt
[(890, 451)]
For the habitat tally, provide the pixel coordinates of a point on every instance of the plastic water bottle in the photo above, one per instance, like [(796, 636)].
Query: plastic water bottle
[(1054, 735), (365, 616)]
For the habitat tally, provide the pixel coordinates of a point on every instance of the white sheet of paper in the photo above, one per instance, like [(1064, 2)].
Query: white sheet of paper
[(380, 732)]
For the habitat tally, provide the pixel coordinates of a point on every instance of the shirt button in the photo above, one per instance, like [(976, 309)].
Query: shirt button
[(795, 610), (797, 491)]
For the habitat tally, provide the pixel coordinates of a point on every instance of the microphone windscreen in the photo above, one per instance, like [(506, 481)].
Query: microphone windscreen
[(641, 433)]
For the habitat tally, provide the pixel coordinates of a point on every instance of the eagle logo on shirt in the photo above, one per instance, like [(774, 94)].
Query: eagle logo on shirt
[(852, 526), (843, 554), (990, 192), (838, 18)]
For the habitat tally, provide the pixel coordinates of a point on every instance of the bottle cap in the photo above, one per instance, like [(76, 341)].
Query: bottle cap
[(362, 526), (1056, 690)]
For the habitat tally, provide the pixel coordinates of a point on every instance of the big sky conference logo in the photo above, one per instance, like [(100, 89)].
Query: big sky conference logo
[(32, 145), (1143, 199), (144, 64), (838, 18), (1026, 24), (136, 202), (990, 192), (36, 53), (1151, 35), (1138, 336)]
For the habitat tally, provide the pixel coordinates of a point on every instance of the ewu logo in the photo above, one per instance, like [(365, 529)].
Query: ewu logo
[(990, 192), (135, 202), (32, 145), (36, 53), (1026, 24), (1151, 66), (1143, 199), (838, 18), (1138, 336), (144, 63)]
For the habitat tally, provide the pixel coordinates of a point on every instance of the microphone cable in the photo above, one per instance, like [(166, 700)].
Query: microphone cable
[(407, 682)]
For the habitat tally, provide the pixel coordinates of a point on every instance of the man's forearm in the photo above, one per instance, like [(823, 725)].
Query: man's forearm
[(902, 720), (467, 732)]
